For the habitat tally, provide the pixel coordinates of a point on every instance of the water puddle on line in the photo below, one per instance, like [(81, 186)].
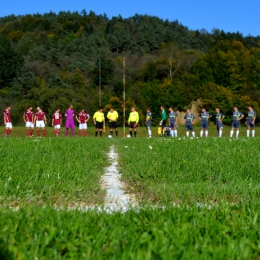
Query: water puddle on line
[(116, 198)]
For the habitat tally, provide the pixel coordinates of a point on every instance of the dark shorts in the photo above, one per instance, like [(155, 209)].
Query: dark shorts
[(112, 125), (219, 125), (235, 124), (204, 125), (189, 127), (250, 124), (132, 125), (163, 123), (148, 125), (99, 125), (172, 124)]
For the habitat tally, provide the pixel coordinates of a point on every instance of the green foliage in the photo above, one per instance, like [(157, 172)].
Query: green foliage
[(10, 62)]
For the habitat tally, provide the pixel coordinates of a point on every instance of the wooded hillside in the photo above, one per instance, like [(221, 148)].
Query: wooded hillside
[(51, 60)]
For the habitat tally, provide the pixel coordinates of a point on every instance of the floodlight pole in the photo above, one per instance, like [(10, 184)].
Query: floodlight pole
[(99, 81), (124, 121)]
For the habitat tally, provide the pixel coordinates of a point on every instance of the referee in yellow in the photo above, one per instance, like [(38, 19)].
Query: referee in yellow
[(112, 117), (99, 121), (133, 121)]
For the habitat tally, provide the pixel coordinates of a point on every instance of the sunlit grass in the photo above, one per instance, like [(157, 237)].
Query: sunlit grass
[(189, 170), (51, 171)]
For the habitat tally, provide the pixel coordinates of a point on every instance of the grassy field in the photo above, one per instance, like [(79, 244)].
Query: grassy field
[(177, 171), (51, 171), (198, 198), (174, 233)]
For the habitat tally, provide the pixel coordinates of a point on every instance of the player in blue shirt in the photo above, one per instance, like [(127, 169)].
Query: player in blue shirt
[(204, 117), (189, 120), (148, 122), (251, 116), (236, 117), (219, 121), (173, 120)]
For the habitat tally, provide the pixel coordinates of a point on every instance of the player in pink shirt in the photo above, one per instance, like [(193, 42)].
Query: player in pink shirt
[(70, 120), (57, 121), (41, 121), (28, 118), (7, 121), (82, 118)]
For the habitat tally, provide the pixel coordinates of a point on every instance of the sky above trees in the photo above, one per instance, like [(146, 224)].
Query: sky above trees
[(228, 15)]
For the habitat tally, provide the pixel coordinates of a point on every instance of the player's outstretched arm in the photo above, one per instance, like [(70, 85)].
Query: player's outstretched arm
[(241, 117)]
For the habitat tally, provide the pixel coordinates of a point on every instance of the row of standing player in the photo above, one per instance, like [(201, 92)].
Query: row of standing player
[(39, 119), (190, 120)]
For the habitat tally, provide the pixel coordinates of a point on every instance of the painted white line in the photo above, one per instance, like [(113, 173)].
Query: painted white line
[(116, 198)]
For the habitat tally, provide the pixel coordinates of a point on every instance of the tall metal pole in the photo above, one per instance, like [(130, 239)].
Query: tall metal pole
[(124, 97), (99, 81)]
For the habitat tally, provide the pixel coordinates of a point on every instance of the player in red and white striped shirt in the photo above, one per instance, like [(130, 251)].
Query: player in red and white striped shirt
[(41, 121), (82, 118), (57, 121), (7, 121), (28, 118)]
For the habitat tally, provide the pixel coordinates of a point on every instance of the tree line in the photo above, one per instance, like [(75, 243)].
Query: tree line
[(51, 60)]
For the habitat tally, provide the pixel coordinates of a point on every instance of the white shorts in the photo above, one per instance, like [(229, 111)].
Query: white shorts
[(29, 125), (8, 125), (40, 123), (56, 126), (83, 126)]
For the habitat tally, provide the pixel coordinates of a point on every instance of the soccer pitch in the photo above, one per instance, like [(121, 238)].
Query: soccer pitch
[(197, 198)]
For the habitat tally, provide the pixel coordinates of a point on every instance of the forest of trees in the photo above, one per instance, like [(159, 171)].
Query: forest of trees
[(51, 60)]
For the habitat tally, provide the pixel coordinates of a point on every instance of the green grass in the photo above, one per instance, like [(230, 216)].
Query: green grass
[(174, 233), (51, 171), (186, 170), (205, 192)]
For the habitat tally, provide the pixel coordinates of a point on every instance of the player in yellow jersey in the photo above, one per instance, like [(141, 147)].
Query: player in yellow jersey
[(133, 121), (99, 121), (112, 117)]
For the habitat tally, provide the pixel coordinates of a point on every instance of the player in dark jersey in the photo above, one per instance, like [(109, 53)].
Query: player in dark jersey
[(173, 120), (251, 116), (219, 121), (236, 117), (189, 122), (148, 122), (204, 117), (163, 121)]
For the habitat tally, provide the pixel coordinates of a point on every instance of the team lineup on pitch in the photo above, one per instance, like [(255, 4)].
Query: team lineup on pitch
[(168, 123)]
